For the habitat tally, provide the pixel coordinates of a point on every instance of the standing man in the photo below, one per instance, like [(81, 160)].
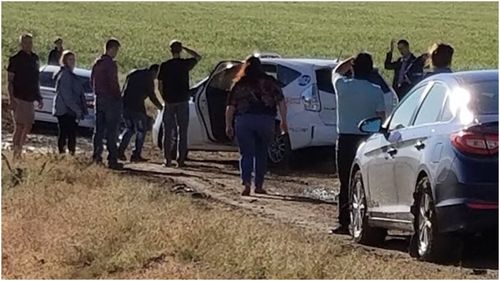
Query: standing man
[(24, 90), (104, 79), (173, 85), (139, 85), (55, 54), (400, 67), (357, 99)]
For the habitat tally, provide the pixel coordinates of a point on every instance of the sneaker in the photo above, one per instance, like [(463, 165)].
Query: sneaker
[(138, 159), (115, 166), (340, 230), (168, 164), (181, 165), (122, 157)]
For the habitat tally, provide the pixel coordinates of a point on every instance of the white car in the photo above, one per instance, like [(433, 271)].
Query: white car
[(309, 95), (48, 91)]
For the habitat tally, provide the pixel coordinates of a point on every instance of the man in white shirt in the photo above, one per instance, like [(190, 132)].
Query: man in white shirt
[(357, 99)]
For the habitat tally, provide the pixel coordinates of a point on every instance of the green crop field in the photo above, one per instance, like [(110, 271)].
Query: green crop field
[(234, 30)]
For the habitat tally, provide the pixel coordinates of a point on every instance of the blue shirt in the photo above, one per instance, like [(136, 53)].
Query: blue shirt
[(356, 100)]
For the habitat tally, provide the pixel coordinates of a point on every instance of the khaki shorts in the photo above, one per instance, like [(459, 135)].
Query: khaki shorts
[(24, 112)]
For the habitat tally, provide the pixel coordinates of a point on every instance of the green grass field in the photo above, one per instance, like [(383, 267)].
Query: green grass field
[(234, 30)]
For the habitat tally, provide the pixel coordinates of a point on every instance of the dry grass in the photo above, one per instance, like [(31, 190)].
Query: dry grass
[(65, 219)]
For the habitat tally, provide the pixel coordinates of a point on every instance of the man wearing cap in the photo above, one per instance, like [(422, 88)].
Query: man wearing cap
[(24, 90), (173, 85), (55, 54)]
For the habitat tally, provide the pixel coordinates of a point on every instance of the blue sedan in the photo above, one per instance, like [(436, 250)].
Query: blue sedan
[(432, 167)]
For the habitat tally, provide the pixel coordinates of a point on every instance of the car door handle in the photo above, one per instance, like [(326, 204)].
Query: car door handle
[(420, 145), (392, 151)]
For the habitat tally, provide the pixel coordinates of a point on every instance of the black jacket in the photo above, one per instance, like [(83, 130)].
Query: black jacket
[(54, 57), (396, 66)]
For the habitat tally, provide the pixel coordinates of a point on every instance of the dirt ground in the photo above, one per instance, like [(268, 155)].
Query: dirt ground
[(304, 196)]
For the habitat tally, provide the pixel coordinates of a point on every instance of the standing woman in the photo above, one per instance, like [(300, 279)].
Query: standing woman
[(255, 99), (69, 102)]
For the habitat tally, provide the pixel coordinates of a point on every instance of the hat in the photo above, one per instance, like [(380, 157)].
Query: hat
[(174, 42)]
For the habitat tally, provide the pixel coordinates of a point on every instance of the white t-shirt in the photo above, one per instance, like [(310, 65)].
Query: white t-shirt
[(356, 100)]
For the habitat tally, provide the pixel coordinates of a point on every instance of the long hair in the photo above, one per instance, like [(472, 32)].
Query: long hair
[(65, 56), (252, 69)]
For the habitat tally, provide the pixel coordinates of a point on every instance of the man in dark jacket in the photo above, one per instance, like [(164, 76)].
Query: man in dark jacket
[(400, 66), (108, 107), (139, 86), (55, 54)]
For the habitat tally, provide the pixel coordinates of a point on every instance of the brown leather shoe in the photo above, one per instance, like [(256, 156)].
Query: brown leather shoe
[(260, 191), (246, 191)]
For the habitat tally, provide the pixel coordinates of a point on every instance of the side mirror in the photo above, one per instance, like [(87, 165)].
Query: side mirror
[(371, 125)]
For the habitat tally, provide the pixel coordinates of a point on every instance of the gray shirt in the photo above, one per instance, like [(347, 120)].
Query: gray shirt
[(70, 97), (356, 100)]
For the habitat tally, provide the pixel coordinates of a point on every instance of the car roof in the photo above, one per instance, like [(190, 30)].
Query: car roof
[(316, 62), (78, 71), (467, 77)]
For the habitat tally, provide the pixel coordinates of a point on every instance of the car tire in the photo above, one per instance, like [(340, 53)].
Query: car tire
[(360, 230), (279, 152), (427, 243)]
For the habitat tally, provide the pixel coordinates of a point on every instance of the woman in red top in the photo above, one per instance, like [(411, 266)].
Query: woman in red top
[(255, 100)]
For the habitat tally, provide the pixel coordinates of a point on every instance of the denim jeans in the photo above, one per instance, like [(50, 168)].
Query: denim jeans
[(175, 116), (254, 133), (135, 123), (108, 116)]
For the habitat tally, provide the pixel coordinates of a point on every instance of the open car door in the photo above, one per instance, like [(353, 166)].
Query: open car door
[(211, 101)]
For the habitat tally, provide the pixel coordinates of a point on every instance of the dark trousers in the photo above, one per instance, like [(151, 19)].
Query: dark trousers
[(67, 133), (346, 151), (175, 116), (254, 133), (136, 123), (108, 116)]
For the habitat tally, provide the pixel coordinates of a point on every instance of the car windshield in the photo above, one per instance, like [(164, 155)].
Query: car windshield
[(484, 97)]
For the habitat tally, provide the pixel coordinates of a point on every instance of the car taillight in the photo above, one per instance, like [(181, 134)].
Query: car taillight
[(310, 98), (475, 143)]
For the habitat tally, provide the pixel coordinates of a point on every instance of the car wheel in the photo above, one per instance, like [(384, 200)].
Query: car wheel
[(428, 244), (360, 231), (279, 151)]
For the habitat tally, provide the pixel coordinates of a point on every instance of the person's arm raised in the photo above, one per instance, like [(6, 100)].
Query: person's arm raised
[(192, 53), (344, 67)]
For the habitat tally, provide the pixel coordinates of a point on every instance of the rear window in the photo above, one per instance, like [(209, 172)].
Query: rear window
[(47, 79), (324, 80), (283, 74), (484, 97), (87, 88)]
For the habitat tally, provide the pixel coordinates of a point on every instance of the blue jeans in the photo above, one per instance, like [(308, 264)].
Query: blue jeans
[(136, 123), (175, 116), (254, 133), (108, 116)]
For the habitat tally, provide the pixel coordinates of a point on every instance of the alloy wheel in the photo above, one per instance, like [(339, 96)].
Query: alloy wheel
[(424, 224), (278, 149), (358, 209)]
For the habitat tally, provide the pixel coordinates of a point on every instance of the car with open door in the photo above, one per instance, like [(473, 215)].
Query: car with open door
[(310, 98), (48, 92), (432, 168)]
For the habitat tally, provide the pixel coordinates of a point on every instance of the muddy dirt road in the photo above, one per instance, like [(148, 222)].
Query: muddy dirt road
[(305, 196)]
